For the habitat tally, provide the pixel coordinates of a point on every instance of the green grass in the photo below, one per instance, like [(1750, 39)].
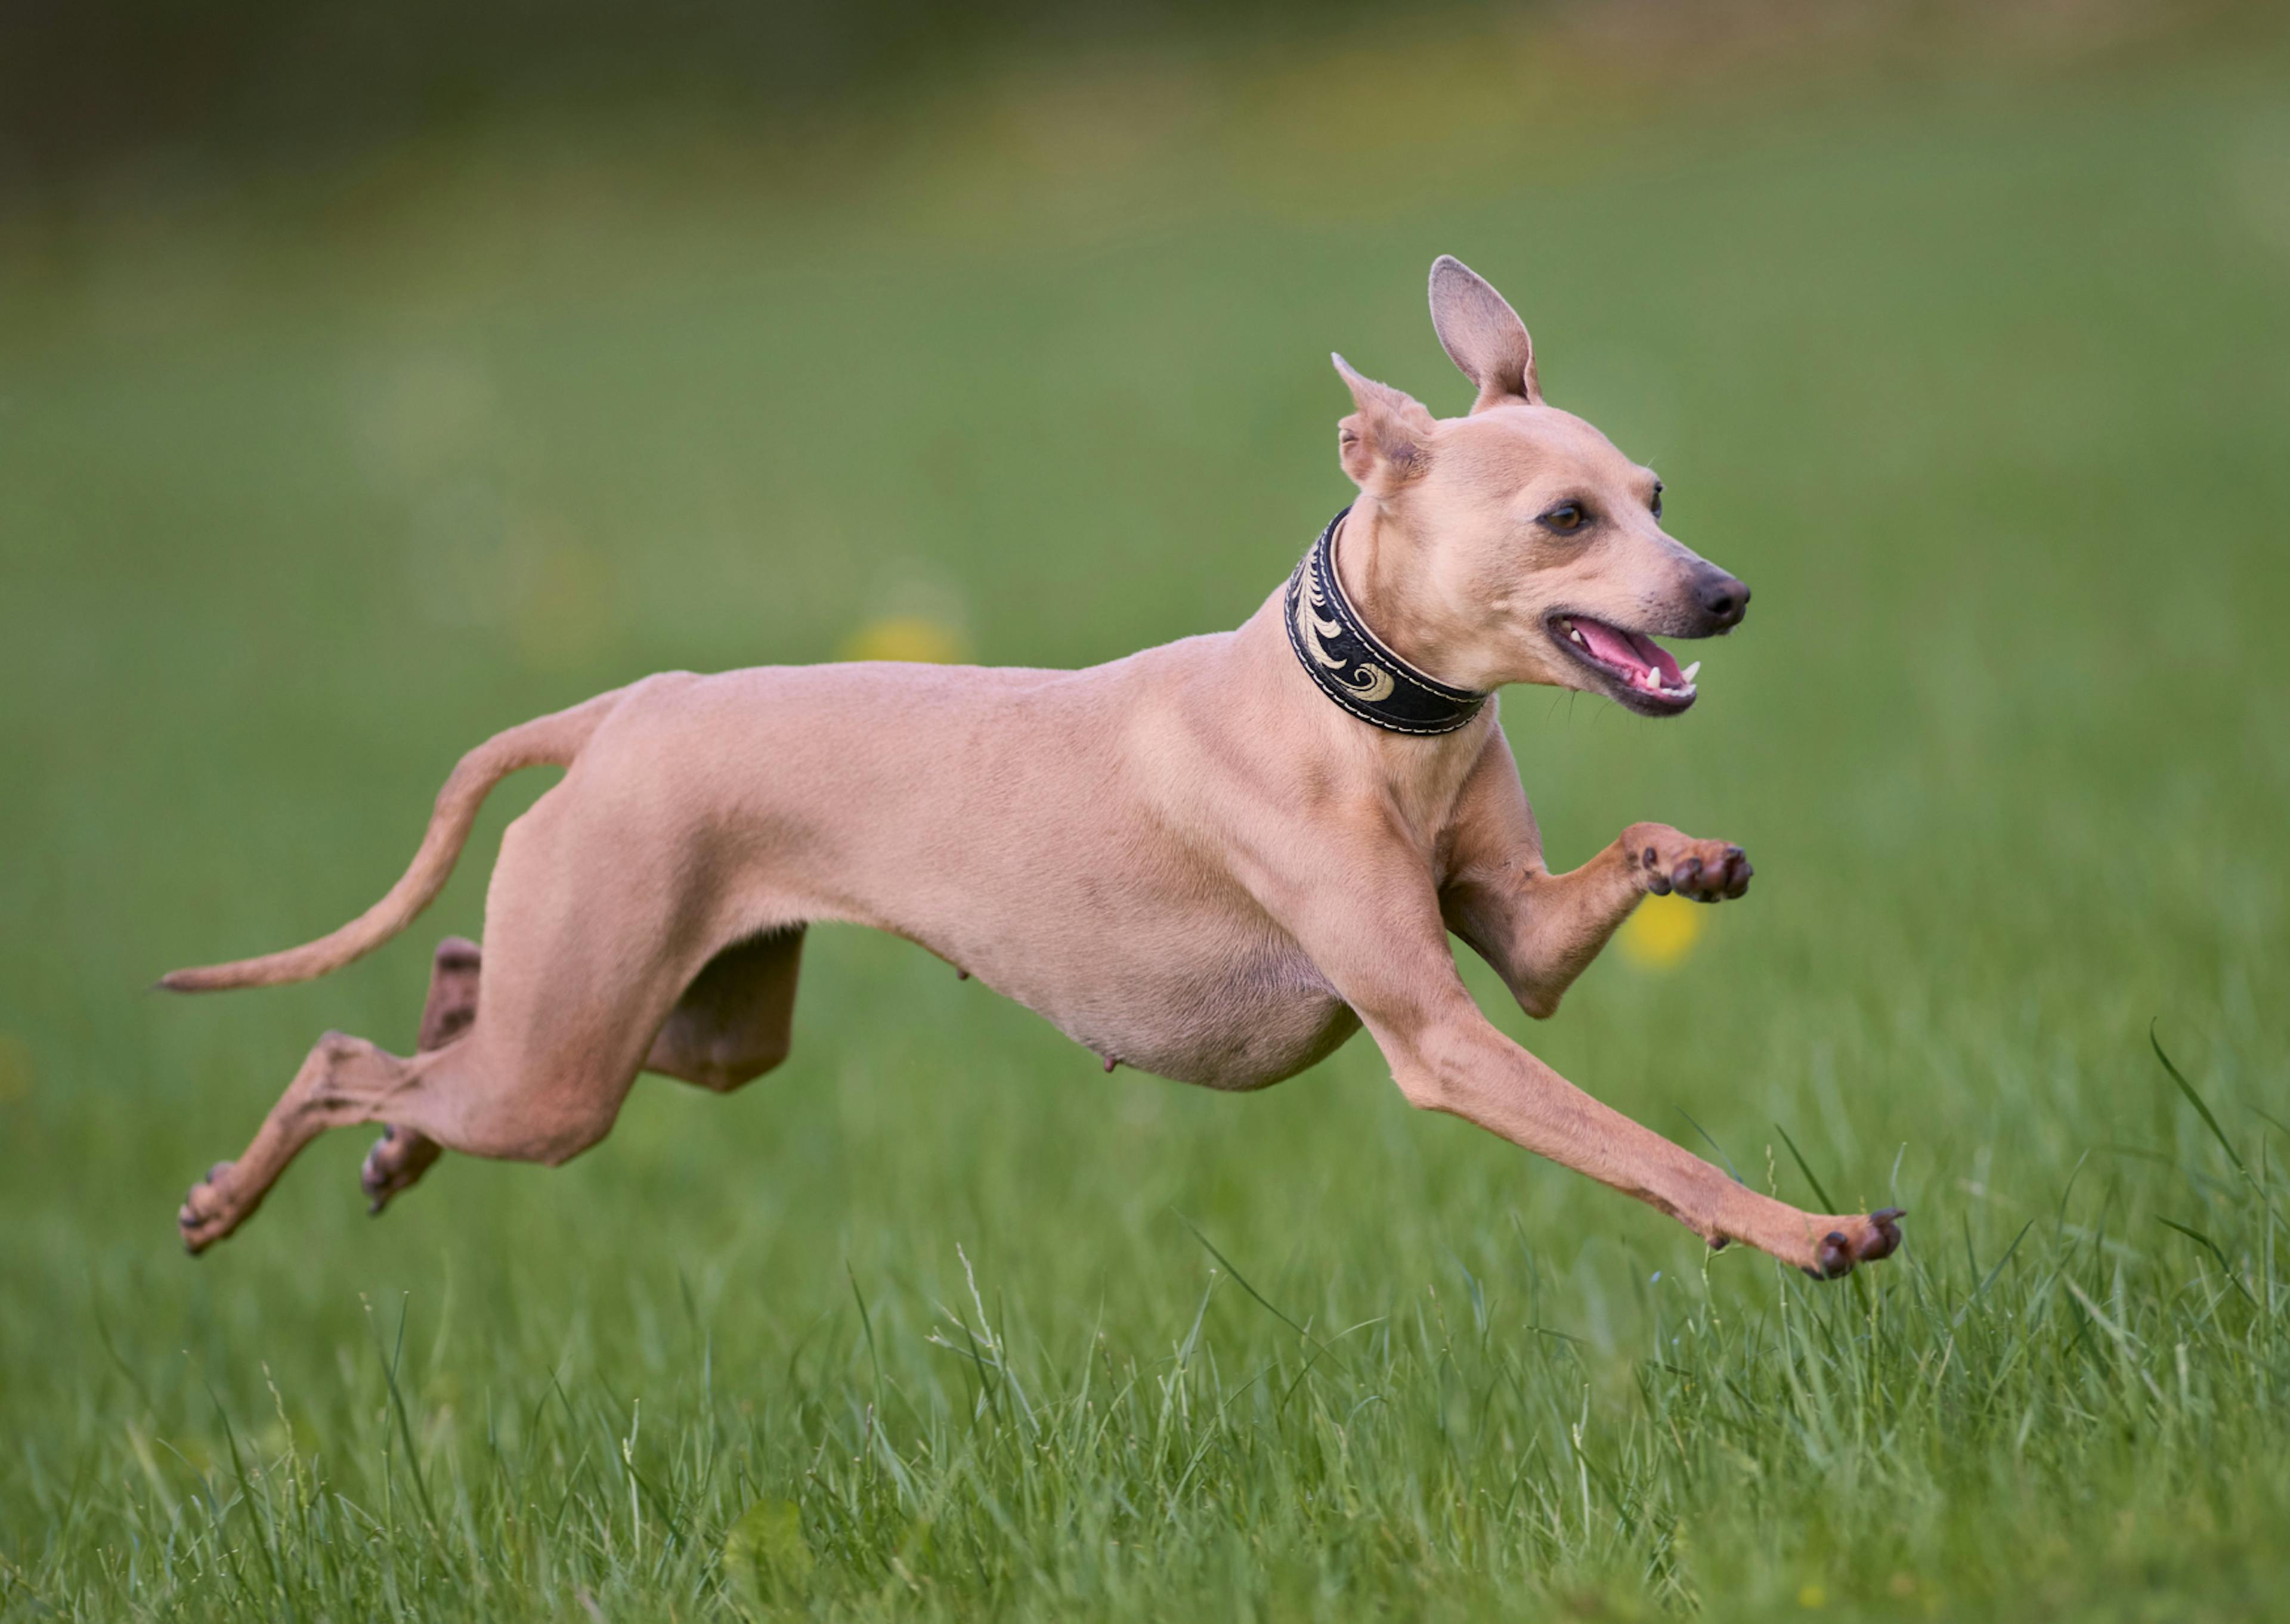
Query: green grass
[(1979, 381)]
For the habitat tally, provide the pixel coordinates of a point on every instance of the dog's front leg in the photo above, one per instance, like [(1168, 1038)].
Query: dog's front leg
[(1459, 1063), (1541, 930), (1380, 941)]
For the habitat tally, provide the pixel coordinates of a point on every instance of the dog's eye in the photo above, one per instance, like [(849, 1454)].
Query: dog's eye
[(1566, 518)]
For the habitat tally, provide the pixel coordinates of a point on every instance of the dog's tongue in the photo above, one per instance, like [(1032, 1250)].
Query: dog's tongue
[(1629, 651)]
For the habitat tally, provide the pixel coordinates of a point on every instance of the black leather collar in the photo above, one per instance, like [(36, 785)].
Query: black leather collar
[(1350, 663)]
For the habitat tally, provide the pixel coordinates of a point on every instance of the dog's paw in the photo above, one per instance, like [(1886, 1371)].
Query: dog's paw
[(1698, 870), (399, 1157), (1855, 1241), (207, 1213)]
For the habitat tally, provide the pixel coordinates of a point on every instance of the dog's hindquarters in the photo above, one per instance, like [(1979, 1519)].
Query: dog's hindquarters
[(647, 913), (549, 741)]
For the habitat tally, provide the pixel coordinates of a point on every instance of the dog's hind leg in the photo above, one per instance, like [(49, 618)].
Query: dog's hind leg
[(401, 1156), (731, 1026), (343, 1080), (599, 917), (734, 1023), (468, 1097)]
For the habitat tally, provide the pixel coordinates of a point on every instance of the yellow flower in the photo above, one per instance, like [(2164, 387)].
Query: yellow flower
[(1662, 931), (907, 637)]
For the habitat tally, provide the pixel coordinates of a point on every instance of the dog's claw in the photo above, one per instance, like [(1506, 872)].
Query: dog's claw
[(1878, 1236), (393, 1164), (1886, 1240), (204, 1217), (1835, 1256), (1698, 870)]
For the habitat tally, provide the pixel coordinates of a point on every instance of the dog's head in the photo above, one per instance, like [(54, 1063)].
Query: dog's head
[(1516, 544)]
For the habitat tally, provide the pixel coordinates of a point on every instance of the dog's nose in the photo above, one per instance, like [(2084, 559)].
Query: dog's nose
[(1723, 599)]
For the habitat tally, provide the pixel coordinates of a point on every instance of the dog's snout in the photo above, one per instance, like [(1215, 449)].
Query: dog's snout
[(1723, 599)]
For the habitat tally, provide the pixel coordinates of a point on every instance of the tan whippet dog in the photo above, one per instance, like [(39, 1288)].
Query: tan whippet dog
[(1215, 860)]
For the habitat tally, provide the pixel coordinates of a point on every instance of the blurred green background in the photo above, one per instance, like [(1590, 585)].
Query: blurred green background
[(356, 402)]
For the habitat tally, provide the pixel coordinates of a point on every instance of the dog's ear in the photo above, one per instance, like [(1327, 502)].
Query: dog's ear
[(1482, 335), (1387, 440)]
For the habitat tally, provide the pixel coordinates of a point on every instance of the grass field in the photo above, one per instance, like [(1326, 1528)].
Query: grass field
[(1979, 377)]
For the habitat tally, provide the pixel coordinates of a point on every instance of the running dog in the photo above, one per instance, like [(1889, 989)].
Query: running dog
[(1215, 860)]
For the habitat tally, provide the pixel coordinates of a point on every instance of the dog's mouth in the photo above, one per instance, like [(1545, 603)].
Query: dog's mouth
[(1638, 671)]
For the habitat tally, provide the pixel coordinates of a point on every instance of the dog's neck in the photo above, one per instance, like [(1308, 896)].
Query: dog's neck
[(1347, 658)]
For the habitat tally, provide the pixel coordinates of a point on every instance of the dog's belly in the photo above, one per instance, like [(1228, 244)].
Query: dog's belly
[(1201, 991), (1241, 1020)]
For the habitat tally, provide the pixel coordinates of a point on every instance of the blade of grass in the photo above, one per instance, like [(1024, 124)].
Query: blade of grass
[(1820, 1194), (2194, 1099), (1712, 1143), (397, 1407), (1242, 1281)]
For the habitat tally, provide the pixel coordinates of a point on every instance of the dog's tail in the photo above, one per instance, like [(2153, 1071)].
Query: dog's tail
[(550, 741)]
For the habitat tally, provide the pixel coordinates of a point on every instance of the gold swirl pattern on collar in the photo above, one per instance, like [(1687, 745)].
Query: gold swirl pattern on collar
[(1371, 683)]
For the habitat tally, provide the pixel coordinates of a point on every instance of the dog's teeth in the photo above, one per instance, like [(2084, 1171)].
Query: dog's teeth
[(1686, 677), (1575, 632)]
